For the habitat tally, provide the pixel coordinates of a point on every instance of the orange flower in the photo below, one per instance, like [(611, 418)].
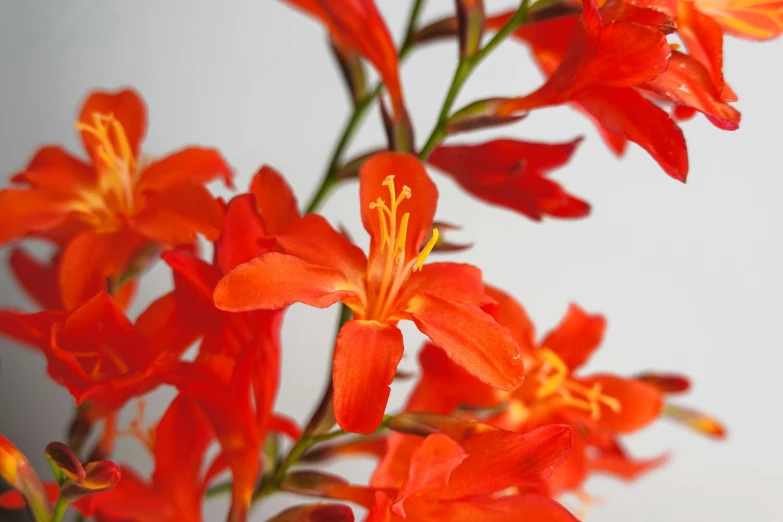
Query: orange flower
[(511, 174), (109, 214), (488, 476), (177, 488), (320, 267), (97, 353), (358, 26), (606, 65), (600, 407)]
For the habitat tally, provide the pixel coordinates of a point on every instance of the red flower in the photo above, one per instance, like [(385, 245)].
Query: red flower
[(605, 64), (487, 477), (97, 353), (320, 267), (177, 488), (108, 213), (357, 26), (511, 174)]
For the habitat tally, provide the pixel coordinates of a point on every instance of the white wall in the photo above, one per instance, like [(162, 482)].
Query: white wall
[(689, 276)]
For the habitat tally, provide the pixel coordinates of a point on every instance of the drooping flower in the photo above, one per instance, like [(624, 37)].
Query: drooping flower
[(320, 266), (610, 64), (110, 214), (512, 174)]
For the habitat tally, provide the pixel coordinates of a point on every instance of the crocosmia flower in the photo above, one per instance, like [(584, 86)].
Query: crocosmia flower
[(319, 267), (109, 213)]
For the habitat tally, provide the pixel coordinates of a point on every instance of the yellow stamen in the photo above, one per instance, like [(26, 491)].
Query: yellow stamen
[(400, 247), (115, 151), (570, 393), (381, 206), (426, 250)]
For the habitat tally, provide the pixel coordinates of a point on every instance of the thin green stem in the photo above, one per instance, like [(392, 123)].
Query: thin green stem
[(329, 181), (59, 510), (464, 69)]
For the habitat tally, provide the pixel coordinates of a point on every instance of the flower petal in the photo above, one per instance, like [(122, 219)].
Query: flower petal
[(24, 211), (498, 460), (366, 355), (407, 171), (627, 113), (275, 280), (315, 513), (577, 336), (510, 174), (686, 82), (429, 469), (39, 280), (456, 282), (275, 200), (314, 240), (506, 509), (510, 313), (471, 338), (126, 106), (178, 214), (193, 165), (244, 236), (443, 385), (615, 461), (56, 171), (640, 404)]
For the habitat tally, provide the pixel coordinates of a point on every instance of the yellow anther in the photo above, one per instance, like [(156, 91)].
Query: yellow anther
[(405, 193), (426, 250), (560, 371), (381, 207)]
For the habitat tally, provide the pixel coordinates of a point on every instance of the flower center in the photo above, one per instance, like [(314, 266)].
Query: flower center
[(552, 375), (394, 230), (117, 167)]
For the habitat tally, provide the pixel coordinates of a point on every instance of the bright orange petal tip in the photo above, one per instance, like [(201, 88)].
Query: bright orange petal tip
[(696, 421), (17, 471), (315, 513)]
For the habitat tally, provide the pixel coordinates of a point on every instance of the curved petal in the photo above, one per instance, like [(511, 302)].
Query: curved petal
[(640, 403), (313, 239), (498, 460), (127, 107), (38, 279), (178, 214), (243, 234), (627, 113), (456, 282), (506, 509), (276, 280), (687, 82), (510, 313), (90, 259), (275, 200), (33, 330), (471, 338), (577, 336), (366, 355), (181, 439), (24, 211), (56, 171), (193, 165), (615, 461), (430, 467), (444, 385), (407, 171)]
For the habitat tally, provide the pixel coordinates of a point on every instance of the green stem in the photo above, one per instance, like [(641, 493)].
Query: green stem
[(329, 181), (464, 69), (59, 510)]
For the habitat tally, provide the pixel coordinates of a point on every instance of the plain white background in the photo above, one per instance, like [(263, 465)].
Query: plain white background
[(689, 276)]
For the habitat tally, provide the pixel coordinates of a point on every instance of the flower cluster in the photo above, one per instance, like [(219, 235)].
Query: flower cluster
[(501, 423)]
